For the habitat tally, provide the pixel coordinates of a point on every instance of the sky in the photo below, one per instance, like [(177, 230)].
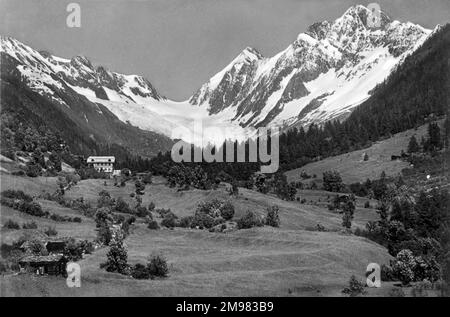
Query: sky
[(179, 44)]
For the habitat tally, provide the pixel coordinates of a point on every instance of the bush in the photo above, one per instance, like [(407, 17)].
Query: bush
[(157, 266), (73, 250), (141, 211), (169, 220), (152, 224), (122, 206), (332, 181), (387, 274), (117, 257), (202, 220), (33, 170), (273, 219), (162, 212), (16, 194), (186, 222), (51, 231), (211, 207), (104, 200), (403, 267), (367, 204), (30, 208), (29, 225), (140, 272), (227, 210), (249, 220), (147, 179), (151, 206), (10, 224), (33, 209), (140, 187), (354, 288)]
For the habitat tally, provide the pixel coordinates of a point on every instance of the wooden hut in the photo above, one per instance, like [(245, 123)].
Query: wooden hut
[(52, 264)]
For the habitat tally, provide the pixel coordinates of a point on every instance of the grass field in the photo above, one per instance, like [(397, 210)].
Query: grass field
[(353, 168), (293, 260)]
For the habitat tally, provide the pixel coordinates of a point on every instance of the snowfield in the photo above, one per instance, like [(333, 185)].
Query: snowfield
[(323, 75)]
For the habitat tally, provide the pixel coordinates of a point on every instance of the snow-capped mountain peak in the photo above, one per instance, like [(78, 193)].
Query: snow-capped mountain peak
[(327, 71), (323, 74)]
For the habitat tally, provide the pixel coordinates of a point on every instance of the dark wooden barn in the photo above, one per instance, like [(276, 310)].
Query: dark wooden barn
[(53, 264)]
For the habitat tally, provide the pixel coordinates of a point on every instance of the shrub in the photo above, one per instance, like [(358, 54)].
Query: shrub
[(152, 224), (421, 289), (73, 251), (141, 211), (122, 206), (33, 209), (169, 220), (354, 288), (157, 266), (186, 222), (367, 204), (403, 266), (202, 220), (147, 179), (211, 207), (227, 210), (140, 272), (87, 246), (117, 256), (104, 200), (10, 224), (249, 220), (151, 206), (33, 170), (332, 181), (51, 231), (387, 274), (140, 187), (426, 269), (29, 225), (16, 194), (273, 219), (162, 212)]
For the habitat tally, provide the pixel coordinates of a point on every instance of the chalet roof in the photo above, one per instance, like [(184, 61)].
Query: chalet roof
[(42, 258), (101, 159)]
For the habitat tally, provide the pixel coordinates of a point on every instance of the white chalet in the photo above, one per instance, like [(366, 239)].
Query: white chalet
[(102, 163)]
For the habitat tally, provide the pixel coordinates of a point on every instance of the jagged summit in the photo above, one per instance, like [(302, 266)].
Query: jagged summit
[(323, 74), (318, 77)]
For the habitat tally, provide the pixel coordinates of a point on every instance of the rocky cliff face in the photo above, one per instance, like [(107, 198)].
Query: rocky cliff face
[(322, 75), (310, 80)]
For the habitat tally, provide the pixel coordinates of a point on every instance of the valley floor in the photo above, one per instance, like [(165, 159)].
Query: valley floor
[(293, 260)]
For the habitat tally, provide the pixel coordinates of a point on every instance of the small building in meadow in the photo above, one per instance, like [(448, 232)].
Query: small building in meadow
[(102, 163), (52, 264)]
